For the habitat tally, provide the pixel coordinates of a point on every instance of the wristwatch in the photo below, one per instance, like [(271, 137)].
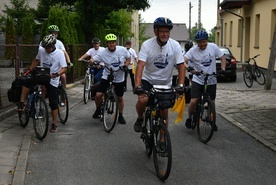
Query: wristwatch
[(180, 85)]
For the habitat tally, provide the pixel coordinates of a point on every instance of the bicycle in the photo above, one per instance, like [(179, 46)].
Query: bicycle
[(88, 81), (63, 104), (110, 107), (252, 73), (36, 108), (155, 134), (204, 117)]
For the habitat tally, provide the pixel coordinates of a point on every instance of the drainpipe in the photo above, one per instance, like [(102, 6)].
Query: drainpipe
[(221, 32), (242, 22)]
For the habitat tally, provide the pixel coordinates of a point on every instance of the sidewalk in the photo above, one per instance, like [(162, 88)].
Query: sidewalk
[(252, 110)]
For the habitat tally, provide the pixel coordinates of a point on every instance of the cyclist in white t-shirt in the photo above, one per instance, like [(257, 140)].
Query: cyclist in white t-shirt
[(91, 53), (133, 62), (157, 59), (113, 57), (48, 56), (53, 29), (204, 59)]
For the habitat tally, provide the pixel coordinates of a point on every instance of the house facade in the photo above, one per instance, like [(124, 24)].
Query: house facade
[(247, 28)]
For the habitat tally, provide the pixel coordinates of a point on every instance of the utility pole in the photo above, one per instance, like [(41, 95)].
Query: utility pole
[(199, 14), (190, 7)]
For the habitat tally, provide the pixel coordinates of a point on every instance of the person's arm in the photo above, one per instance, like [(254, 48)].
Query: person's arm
[(83, 57), (181, 73), (223, 63), (127, 62), (67, 58), (139, 72)]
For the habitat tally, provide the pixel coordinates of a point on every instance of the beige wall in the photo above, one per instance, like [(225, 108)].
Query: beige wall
[(135, 31), (259, 23)]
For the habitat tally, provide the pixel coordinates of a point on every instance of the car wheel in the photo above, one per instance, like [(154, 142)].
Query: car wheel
[(233, 78)]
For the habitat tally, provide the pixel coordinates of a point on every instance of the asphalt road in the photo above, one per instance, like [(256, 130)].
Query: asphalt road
[(81, 152)]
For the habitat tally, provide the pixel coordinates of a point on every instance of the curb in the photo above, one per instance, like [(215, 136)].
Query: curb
[(247, 130)]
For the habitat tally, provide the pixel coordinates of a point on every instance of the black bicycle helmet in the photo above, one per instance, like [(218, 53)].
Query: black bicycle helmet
[(48, 41), (201, 35), (163, 22), (189, 44), (95, 41)]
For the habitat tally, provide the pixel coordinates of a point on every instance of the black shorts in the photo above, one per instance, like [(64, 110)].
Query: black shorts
[(197, 90), (118, 87)]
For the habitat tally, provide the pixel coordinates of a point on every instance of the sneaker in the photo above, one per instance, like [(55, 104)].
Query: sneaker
[(20, 107), (53, 128), (122, 120), (188, 122), (97, 113), (138, 124)]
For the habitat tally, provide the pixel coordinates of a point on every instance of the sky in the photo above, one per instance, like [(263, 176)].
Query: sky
[(178, 12)]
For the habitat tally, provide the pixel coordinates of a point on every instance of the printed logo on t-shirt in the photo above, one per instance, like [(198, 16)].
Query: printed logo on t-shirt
[(206, 61), (161, 61)]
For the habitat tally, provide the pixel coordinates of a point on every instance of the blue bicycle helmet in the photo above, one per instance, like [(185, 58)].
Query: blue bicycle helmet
[(201, 35), (163, 22)]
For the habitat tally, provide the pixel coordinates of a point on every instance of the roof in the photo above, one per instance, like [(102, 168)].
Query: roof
[(178, 33), (231, 4)]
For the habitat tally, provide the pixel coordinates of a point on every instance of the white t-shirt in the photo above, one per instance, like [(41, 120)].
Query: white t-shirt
[(113, 60), (54, 60), (92, 52), (204, 60), (160, 61), (133, 55)]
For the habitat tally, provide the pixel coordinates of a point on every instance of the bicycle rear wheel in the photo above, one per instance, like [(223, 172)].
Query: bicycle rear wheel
[(162, 152), (260, 77), (40, 117), (63, 106), (110, 111), (86, 89), (24, 116), (206, 121), (147, 136), (247, 77)]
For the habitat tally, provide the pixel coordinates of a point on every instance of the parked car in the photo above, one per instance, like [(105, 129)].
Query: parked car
[(231, 65)]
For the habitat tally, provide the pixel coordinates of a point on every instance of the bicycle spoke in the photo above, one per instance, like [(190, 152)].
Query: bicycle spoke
[(110, 112), (40, 119), (260, 77), (205, 125), (162, 152), (247, 77), (63, 108), (86, 89)]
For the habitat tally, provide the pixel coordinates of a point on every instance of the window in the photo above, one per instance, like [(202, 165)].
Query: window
[(257, 31), (230, 33), (239, 32)]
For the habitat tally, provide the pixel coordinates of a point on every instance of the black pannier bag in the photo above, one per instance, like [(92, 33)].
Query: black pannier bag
[(41, 75), (165, 98), (14, 92)]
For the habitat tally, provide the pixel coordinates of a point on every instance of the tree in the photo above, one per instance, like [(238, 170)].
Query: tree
[(119, 23), (212, 35), (18, 10), (10, 39)]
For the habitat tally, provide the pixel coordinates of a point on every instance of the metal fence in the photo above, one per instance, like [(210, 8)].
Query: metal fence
[(15, 57)]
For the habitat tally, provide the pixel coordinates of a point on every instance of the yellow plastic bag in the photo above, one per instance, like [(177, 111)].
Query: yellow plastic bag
[(133, 69), (179, 107)]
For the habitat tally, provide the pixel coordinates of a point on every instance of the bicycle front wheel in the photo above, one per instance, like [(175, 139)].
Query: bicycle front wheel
[(24, 116), (247, 77), (206, 121), (86, 89), (63, 106), (110, 111), (162, 152), (260, 77), (40, 117)]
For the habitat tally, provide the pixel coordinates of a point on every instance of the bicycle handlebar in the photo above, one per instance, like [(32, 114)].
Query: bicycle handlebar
[(253, 58)]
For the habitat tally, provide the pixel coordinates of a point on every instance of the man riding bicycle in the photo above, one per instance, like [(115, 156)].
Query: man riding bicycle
[(48, 56), (91, 53), (113, 57), (203, 57), (157, 59)]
